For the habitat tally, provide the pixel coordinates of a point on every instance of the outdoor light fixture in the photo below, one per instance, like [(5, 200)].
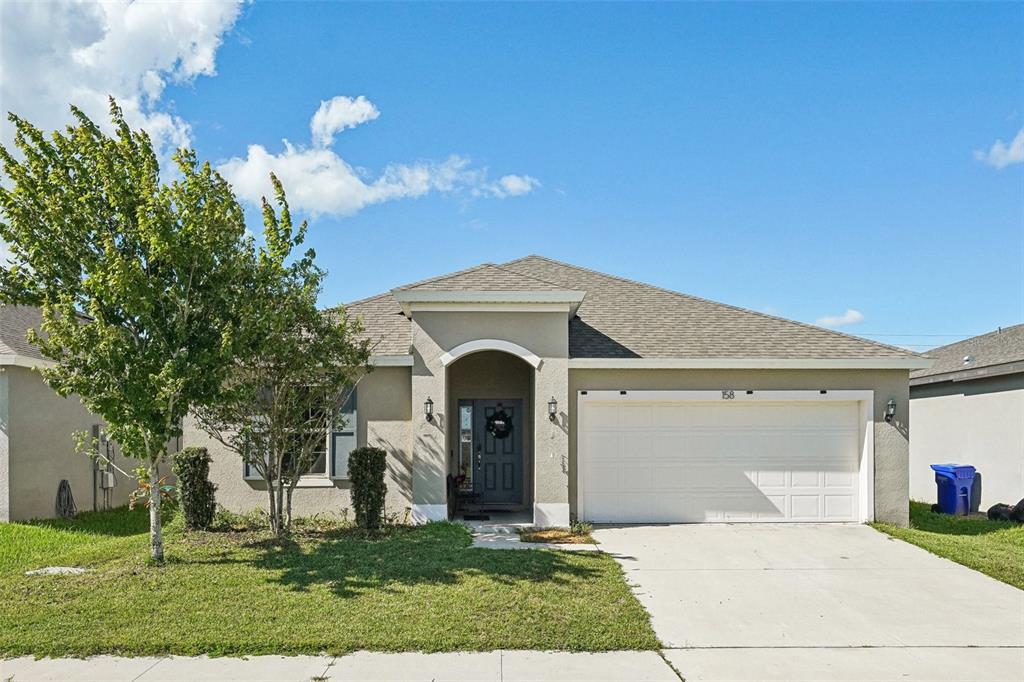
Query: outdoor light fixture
[(552, 408), (890, 410), (428, 409)]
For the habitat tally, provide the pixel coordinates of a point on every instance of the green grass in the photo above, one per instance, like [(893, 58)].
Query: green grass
[(995, 548), (330, 590)]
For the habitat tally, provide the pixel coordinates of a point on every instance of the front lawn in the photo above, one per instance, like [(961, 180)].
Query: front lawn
[(995, 548), (411, 589)]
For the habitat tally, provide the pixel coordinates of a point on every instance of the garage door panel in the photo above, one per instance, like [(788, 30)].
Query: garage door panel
[(688, 461)]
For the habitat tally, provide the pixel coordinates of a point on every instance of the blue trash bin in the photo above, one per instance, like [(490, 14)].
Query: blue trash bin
[(954, 483)]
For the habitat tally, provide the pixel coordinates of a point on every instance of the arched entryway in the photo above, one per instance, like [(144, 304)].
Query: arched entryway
[(490, 430)]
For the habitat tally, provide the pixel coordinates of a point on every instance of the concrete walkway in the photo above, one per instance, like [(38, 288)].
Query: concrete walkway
[(809, 602), (503, 533), (494, 666)]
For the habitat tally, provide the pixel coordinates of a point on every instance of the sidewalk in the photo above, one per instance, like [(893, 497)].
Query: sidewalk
[(493, 666)]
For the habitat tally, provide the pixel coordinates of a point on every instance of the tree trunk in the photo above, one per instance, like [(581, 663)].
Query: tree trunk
[(156, 537), (280, 507), (288, 516), (271, 491)]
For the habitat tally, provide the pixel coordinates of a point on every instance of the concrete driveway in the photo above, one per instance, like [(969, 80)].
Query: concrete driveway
[(809, 602)]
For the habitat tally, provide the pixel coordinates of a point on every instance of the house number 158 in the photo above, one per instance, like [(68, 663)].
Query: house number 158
[(728, 395)]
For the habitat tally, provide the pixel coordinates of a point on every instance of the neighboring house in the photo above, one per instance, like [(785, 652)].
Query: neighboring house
[(619, 402), (37, 447), (968, 408)]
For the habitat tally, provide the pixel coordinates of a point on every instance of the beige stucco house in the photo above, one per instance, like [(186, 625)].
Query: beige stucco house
[(37, 447), (563, 393), (968, 408)]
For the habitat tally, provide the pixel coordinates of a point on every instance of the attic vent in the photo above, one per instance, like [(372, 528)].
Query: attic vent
[(968, 359)]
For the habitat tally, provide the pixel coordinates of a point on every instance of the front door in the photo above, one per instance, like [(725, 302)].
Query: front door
[(498, 451)]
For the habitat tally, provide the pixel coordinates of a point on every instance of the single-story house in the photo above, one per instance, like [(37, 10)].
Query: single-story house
[(968, 408), (561, 392), (37, 426)]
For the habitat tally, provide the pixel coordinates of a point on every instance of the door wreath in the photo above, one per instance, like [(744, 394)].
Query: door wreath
[(499, 424)]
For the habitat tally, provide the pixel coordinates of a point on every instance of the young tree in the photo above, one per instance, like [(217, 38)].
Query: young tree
[(141, 284), (283, 396)]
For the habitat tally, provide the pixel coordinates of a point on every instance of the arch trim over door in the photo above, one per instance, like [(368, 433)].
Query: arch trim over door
[(478, 345)]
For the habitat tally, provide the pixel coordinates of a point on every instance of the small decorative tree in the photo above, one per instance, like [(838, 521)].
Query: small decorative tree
[(366, 472), (143, 286), (284, 393), (195, 491)]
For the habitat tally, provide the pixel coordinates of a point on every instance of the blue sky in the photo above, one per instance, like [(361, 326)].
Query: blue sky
[(803, 160)]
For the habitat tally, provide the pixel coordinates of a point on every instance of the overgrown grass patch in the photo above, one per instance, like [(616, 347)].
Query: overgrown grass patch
[(330, 589), (996, 548)]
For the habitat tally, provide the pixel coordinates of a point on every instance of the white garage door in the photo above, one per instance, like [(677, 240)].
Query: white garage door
[(655, 457)]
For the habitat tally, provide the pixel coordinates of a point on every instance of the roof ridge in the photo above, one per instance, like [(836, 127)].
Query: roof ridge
[(533, 277), (718, 303), (998, 330)]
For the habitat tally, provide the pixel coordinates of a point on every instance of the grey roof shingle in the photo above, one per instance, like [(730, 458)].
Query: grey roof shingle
[(15, 321), (620, 318), (1000, 347), (484, 277), (384, 325)]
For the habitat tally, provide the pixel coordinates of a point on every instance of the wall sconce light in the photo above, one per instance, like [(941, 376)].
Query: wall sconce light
[(552, 408), (890, 410), (428, 409)]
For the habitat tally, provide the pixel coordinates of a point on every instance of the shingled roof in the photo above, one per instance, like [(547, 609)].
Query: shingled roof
[(1003, 347), (15, 321), (620, 318)]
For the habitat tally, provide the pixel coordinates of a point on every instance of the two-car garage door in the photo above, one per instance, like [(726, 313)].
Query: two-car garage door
[(662, 456)]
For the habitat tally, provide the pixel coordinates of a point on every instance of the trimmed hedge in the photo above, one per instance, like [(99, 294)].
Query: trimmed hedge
[(366, 472), (195, 491)]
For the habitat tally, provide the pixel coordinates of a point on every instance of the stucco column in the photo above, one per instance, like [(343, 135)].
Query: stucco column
[(551, 445), (429, 463), (5, 454)]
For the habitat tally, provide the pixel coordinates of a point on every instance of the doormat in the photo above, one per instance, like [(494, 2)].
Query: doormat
[(476, 517)]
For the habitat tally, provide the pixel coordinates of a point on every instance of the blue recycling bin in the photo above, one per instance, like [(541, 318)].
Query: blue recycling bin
[(954, 484)]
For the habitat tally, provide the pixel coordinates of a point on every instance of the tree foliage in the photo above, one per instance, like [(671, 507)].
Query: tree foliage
[(283, 395), (143, 285)]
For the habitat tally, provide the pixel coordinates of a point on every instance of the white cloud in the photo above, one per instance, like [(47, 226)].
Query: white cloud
[(1000, 154), (851, 316), (319, 181), (55, 54), (337, 114), (512, 186)]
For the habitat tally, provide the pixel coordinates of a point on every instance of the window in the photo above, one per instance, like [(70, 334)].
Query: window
[(343, 437), (318, 468), (465, 474)]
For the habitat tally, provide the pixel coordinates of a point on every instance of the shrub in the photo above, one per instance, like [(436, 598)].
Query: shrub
[(578, 527), (366, 472), (196, 493)]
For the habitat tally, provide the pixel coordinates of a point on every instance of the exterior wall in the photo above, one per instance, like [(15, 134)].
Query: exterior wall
[(891, 449), (384, 420), (41, 449), (544, 333), (978, 422), (5, 473), (498, 376)]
